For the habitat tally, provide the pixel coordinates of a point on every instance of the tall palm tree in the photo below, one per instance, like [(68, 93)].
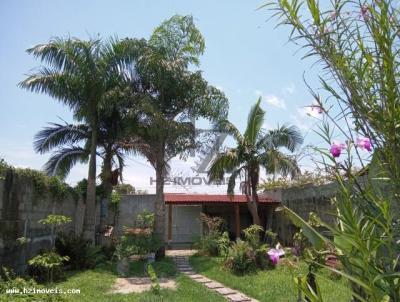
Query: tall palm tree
[(172, 95), (254, 149), (80, 74), (70, 143)]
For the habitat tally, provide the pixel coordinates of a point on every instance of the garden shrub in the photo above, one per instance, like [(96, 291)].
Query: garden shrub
[(155, 284), (252, 253), (241, 258), (8, 280), (138, 240), (271, 237), (223, 243), (47, 266), (213, 241), (207, 245), (81, 254), (252, 236)]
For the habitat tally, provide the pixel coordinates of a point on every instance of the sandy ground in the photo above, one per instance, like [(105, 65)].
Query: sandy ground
[(138, 285)]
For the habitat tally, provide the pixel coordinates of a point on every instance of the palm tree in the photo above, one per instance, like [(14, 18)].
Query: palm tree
[(254, 149), (172, 95), (70, 144), (80, 74)]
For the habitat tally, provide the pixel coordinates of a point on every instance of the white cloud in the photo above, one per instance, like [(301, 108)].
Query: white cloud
[(289, 89), (272, 99), (306, 117), (275, 101)]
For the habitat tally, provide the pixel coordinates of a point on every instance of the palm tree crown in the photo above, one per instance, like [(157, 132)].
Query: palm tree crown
[(255, 148)]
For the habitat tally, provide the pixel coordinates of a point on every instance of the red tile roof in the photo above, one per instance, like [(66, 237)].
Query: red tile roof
[(182, 198)]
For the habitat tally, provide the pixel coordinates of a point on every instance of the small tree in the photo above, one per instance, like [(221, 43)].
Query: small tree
[(54, 222)]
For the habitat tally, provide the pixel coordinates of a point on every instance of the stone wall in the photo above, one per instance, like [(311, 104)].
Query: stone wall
[(20, 210), (303, 200)]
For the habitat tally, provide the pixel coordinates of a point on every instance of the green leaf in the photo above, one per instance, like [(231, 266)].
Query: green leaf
[(316, 239)]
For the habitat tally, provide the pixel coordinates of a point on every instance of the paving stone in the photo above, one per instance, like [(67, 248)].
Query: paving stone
[(237, 298), (186, 267), (196, 276), (225, 291), (214, 285), (189, 273), (203, 280)]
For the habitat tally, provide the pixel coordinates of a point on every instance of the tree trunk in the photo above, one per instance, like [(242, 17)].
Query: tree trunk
[(253, 208), (107, 187), (90, 210), (252, 202), (160, 205)]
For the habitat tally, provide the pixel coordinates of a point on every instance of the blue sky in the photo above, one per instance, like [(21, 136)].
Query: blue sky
[(245, 57)]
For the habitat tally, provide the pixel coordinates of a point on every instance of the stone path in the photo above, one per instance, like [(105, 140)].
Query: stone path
[(182, 262)]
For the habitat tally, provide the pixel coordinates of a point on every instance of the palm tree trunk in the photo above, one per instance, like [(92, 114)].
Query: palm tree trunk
[(107, 186), (252, 203), (159, 205), (90, 211)]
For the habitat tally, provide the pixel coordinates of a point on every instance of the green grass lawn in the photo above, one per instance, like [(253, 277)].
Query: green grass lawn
[(272, 285), (95, 285)]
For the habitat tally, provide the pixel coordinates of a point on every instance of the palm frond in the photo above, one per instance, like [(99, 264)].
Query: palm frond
[(275, 162), (64, 87), (255, 121), (57, 135), (232, 181), (62, 161), (224, 162), (227, 127), (285, 136)]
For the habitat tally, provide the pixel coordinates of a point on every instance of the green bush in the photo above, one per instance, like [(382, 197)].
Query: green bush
[(246, 256), (155, 284), (81, 254), (241, 258), (139, 240), (223, 243), (8, 280), (214, 241), (252, 235), (47, 266), (207, 245)]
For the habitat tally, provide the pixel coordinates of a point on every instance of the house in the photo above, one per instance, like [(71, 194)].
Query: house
[(182, 217)]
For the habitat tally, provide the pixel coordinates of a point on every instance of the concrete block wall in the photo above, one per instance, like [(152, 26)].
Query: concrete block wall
[(303, 200), (20, 211), (130, 206)]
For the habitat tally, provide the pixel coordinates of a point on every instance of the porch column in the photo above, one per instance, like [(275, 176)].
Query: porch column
[(237, 220), (169, 224)]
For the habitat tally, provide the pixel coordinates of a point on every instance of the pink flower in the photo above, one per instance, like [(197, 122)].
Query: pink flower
[(275, 254), (364, 143), (333, 15), (274, 259), (336, 149)]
